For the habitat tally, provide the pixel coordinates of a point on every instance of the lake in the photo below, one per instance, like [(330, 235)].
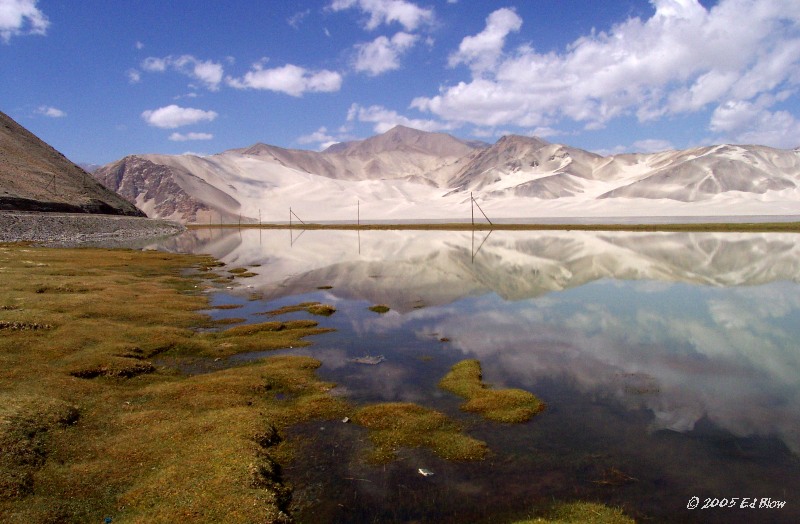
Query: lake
[(669, 363)]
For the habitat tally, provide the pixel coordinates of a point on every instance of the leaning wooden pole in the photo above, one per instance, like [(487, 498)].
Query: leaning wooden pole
[(293, 214), (481, 210)]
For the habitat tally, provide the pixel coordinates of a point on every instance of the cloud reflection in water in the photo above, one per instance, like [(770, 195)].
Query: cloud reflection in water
[(685, 325)]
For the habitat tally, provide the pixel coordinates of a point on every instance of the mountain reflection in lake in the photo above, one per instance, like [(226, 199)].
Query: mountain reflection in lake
[(669, 362)]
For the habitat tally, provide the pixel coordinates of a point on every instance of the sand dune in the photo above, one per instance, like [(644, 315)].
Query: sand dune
[(409, 174)]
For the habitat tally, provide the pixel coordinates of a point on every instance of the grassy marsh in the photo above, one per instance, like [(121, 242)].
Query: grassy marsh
[(395, 425), (499, 405), (90, 428)]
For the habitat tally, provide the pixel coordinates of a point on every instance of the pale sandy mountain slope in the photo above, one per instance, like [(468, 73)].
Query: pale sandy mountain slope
[(409, 174)]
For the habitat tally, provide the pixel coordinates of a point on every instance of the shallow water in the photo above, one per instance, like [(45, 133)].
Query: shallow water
[(669, 362)]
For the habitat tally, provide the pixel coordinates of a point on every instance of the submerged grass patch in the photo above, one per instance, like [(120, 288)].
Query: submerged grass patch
[(314, 308), (379, 308), (580, 513), (396, 425), (90, 428), (499, 405)]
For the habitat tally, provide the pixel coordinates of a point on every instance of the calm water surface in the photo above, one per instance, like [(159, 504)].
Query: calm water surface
[(669, 362)]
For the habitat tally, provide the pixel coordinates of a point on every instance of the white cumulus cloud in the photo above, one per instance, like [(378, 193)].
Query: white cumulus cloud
[(482, 51), (21, 17), (153, 64), (383, 54), (683, 59), (384, 119), (290, 79), (134, 76), (652, 145), (181, 137), (753, 123), (407, 14), (51, 112), (296, 19), (208, 72), (319, 136), (173, 116), (324, 139)]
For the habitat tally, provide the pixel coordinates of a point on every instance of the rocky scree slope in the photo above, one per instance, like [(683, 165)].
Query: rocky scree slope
[(36, 177)]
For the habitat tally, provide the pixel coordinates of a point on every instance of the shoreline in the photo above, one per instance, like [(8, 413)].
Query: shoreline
[(72, 229), (711, 227)]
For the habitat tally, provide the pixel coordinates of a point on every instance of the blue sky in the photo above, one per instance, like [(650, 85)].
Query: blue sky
[(101, 79)]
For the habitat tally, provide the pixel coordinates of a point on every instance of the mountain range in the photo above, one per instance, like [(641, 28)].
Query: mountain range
[(36, 177), (410, 174)]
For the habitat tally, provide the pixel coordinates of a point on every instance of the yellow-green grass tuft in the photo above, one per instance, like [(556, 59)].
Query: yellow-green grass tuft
[(25, 422), (397, 425), (314, 308), (499, 405), (380, 308), (580, 513), (322, 310)]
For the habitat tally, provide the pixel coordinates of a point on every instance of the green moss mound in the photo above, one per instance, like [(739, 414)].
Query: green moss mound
[(499, 405), (380, 309), (396, 425), (580, 513)]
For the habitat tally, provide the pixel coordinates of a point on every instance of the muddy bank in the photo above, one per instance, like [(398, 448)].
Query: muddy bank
[(65, 229)]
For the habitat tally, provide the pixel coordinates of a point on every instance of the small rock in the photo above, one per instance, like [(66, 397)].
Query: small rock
[(425, 472)]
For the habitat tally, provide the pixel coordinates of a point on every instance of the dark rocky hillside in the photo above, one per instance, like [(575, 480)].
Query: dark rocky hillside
[(36, 177)]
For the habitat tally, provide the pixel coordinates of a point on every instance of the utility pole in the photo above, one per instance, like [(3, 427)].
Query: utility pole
[(475, 203)]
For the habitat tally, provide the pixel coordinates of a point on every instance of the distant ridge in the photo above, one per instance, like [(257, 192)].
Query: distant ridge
[(36, 177), (402, 139), (407, 174)]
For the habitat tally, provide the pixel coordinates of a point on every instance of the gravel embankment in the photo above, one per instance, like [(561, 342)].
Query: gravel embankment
[(77, 229)]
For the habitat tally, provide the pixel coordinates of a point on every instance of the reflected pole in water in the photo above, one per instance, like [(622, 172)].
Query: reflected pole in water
[(292, 238), (474, 203), (474, 252), (358, 224)]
